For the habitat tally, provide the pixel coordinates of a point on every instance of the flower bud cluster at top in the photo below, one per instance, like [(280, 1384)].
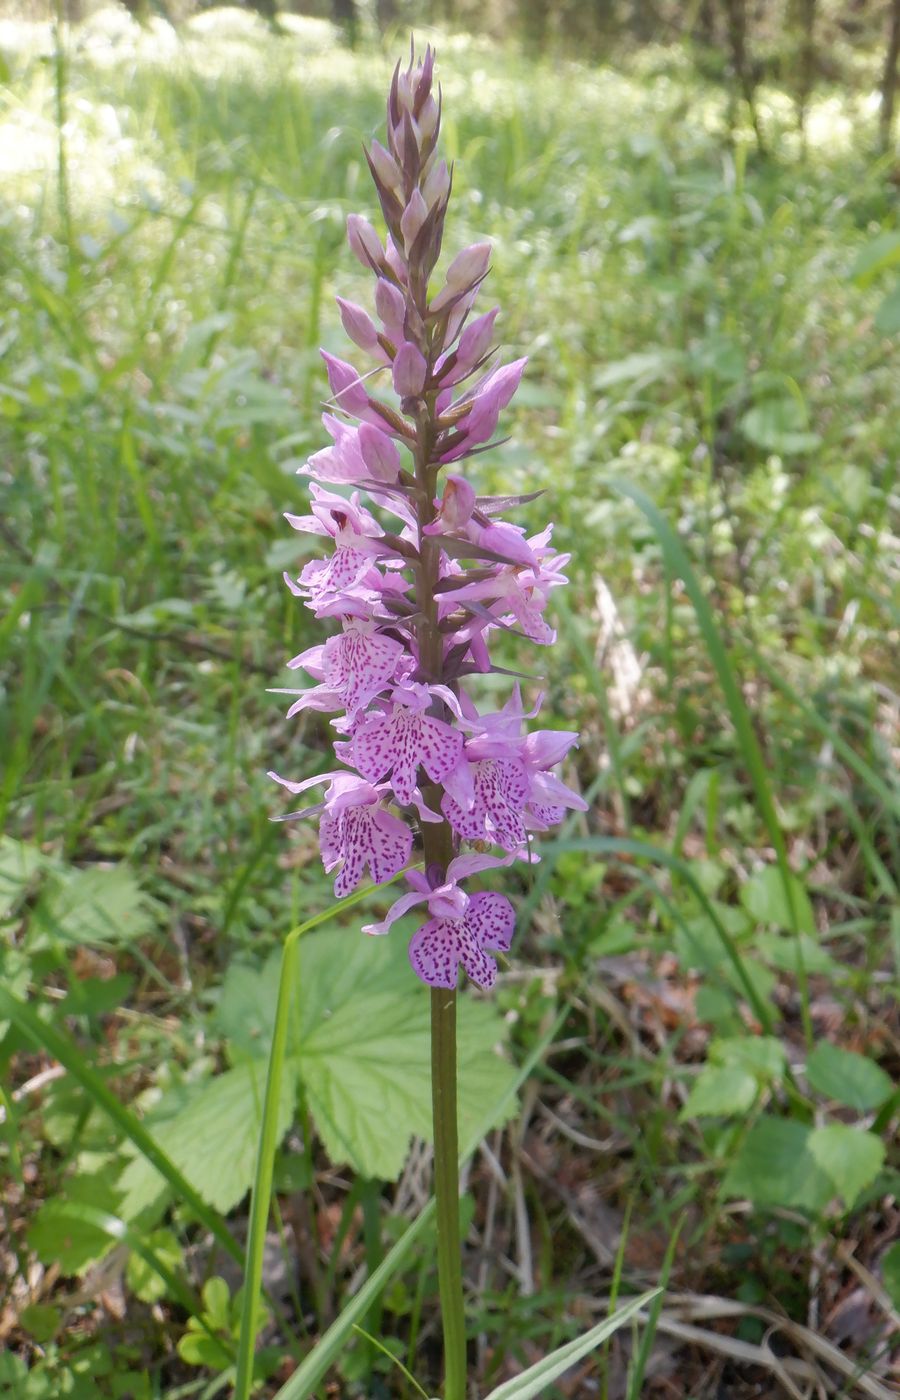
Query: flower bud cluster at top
[(416, 601)]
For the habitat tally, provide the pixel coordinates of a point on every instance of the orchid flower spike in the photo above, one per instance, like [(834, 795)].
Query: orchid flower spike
[(420, 579)]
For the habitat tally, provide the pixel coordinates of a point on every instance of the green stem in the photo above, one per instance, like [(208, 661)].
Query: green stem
[(446, 1189)]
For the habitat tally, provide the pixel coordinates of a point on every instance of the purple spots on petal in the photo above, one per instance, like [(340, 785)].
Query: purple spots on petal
[(478, 965), (491, 920), (441, 747), (434, 952)]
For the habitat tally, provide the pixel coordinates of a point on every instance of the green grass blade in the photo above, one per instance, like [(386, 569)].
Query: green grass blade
[(65, 1051), (678, 565), (327, 1350), (636, 1379), (535, 1380), (866, 774)]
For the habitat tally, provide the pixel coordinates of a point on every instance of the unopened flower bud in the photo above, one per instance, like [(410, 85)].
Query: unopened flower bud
[(428, 118), (395, 262), (386, 167), (379, 454), (409, 371), (358, 324), (437, 184), (390, 304), (475, 340), (364, 241), (346, 386), (463, 275), (414, 216), (457, 503), (468, 266)]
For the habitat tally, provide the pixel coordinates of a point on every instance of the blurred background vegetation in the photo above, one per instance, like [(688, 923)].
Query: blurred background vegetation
[(694, 216)]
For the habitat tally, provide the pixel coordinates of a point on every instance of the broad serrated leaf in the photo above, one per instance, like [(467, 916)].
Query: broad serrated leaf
[(363, 1038), (848, 1078), (720, 1092), (775, 1167), (18, 863), (212, 1141), (104, 904), (246, 1010), (765, 898), (850, 1157)]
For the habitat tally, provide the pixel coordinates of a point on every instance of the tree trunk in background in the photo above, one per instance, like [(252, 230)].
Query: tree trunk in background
[(705, 27), (385, 14), (806, 23), (346, 18), (736, 11), (889, 81)]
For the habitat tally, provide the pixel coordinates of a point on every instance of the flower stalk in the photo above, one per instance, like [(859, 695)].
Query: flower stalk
[(446, 1189)]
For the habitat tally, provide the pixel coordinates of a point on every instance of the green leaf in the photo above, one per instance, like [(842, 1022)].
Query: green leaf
[(537, 1378), (212, 1142), (882, 252), (94, 996), (41, 1321), (18, 863), (887, 317), (765, 897), (850, 1157), (217, 1302), (199, 1349), (720, 1092), (246, 1010), (789, 954), (890, 1271), (99, 905), (12, 1372), (144, 1281), (62, 1234), (362, 1031), (760, 1055), (779, 425), (359, 1040), (775, 1167), (848, 1078)]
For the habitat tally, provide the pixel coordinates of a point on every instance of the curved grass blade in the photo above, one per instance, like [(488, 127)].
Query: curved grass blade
[(866, 774), (679, 565), (537, 1378), (65, 1051)]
